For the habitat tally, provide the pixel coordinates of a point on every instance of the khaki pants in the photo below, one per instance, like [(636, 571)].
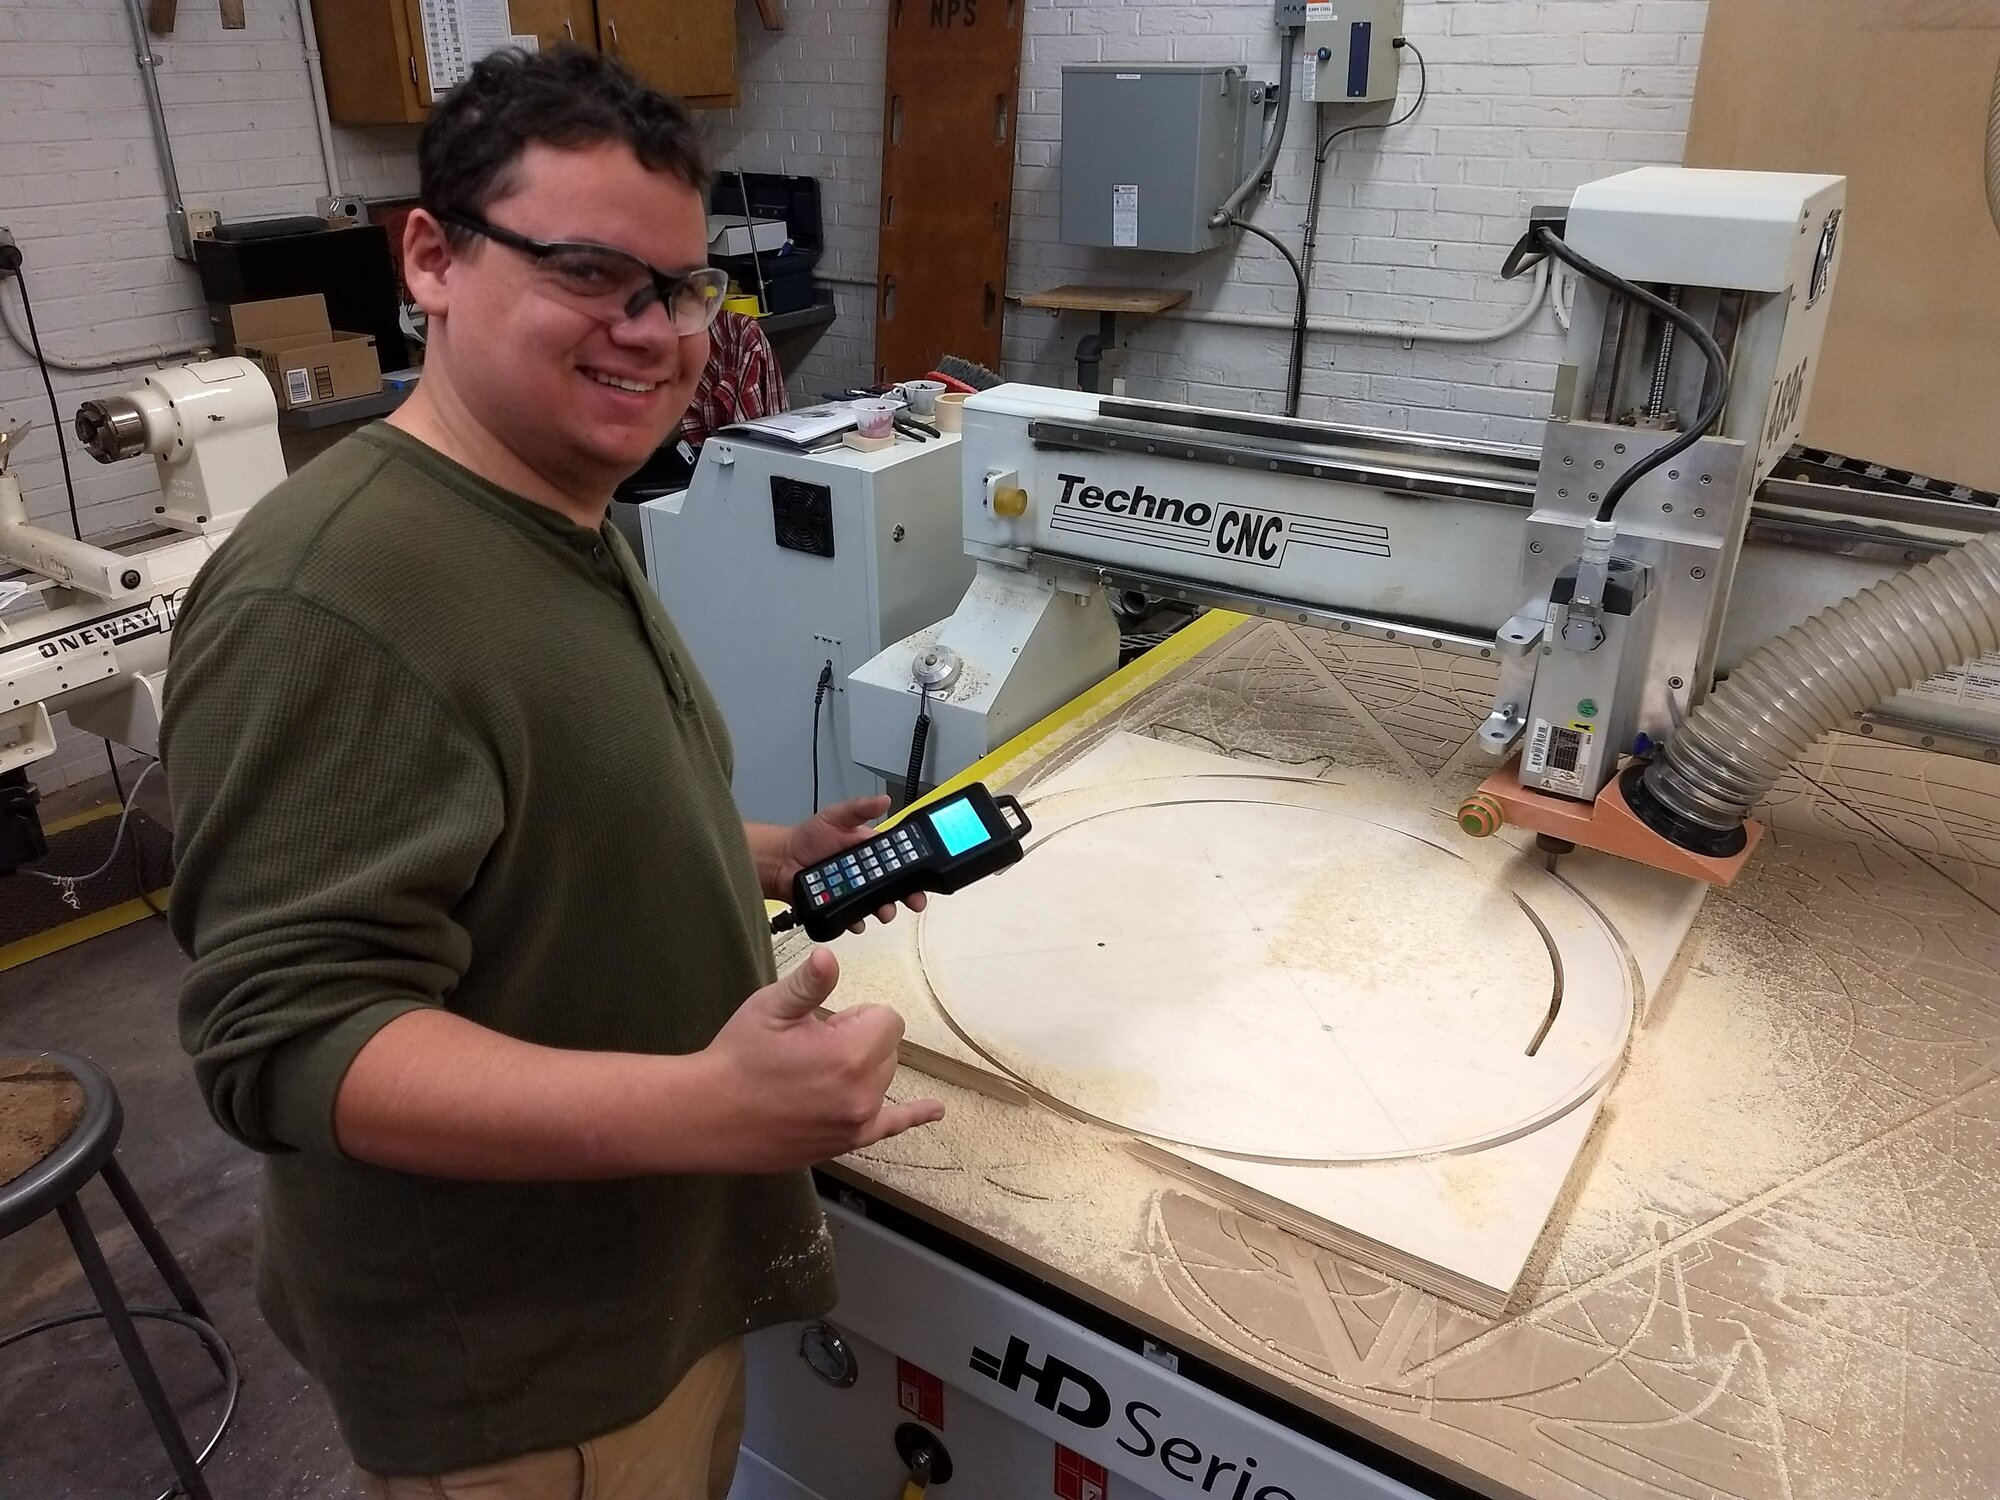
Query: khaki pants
[(684, 1449)]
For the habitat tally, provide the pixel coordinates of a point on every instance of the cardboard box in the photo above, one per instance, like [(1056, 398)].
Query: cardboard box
[(306, 360)]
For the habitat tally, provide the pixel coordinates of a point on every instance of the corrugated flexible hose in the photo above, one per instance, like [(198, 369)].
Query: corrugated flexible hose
[(1993, 153), (1848, 658), (1843, 661)]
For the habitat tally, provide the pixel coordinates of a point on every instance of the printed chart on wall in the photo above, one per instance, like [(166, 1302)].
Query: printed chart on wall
[(457, 33)]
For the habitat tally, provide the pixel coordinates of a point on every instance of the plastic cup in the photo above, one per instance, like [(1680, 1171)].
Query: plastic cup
[(922, 395), (875, 419)]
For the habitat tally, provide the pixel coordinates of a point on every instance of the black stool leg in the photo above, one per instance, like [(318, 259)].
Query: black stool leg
[(156, 1247), (98, 1274), (149, 1236)]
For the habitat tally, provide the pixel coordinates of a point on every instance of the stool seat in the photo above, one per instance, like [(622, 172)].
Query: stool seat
[(59, 1125)]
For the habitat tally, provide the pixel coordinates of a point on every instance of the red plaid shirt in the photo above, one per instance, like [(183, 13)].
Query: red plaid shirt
[(741, 380)]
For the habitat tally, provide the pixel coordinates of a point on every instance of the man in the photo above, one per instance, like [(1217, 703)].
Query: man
[(480, 955)]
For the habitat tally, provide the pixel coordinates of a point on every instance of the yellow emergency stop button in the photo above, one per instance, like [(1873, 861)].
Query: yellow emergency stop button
[(1011, 501)]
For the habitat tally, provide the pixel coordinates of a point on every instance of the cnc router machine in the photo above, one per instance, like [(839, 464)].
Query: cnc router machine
[(1002, 1337), (1600, 571)]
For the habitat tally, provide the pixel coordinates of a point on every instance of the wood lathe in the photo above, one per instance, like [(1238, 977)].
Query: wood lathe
[(84, 628)]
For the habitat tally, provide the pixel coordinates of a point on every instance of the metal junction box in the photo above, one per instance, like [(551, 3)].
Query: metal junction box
[(1150, 150), (1349, 49)]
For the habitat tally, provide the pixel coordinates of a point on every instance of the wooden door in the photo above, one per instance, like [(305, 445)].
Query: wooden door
[(555, 22), (687, 47), (947, 182)]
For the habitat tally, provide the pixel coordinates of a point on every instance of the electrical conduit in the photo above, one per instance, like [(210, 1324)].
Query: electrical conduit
[(96, 364), (1409, 333), (1412, 333), (149, 68), (1248, 185), (322, 121), (1843, 661)]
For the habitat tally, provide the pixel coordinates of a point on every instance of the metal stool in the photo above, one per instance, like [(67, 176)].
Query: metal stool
[(53, 1184)]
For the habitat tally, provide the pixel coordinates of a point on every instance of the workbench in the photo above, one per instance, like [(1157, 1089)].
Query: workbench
[(1775, 1271)]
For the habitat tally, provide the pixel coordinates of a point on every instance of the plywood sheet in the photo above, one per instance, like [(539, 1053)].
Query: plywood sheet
[(1894, 97), (1274, 967), (1462, 1225), (1303, 1005)]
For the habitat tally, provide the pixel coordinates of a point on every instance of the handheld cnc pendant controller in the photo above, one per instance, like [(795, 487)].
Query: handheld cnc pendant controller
[(940, 848)]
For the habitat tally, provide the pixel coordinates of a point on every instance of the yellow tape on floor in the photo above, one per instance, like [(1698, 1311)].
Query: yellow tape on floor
[(77, 820), (55, 939)]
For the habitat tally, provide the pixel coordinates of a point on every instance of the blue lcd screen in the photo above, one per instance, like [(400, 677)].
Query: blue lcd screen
[(959, 826)]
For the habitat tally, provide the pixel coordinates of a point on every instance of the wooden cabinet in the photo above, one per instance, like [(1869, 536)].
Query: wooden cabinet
[(371, 55), (372, 52), (553, 22), (687, 47)]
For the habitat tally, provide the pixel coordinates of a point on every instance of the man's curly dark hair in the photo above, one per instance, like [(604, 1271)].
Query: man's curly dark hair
[(566, 97)]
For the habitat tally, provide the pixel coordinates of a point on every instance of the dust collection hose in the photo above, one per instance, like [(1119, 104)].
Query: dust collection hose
[(1993, 153), (1843, 661)]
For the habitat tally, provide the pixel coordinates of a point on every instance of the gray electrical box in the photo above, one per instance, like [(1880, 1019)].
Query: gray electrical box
[(1150, 150), (1349, 51)]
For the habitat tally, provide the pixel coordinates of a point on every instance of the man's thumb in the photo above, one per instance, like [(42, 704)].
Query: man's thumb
[(805, 989)]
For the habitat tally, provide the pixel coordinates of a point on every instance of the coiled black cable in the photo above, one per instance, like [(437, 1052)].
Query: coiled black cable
[(919, 742)]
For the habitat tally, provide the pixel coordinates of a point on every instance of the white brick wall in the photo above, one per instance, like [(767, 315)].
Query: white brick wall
[(812, 107), (1528, 98), (80, 188)]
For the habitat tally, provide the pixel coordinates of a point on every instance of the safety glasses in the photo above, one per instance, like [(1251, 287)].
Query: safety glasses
[(609, 284)]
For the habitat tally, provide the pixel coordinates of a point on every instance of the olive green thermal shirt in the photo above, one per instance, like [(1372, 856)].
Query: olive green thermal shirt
[(432, 744)]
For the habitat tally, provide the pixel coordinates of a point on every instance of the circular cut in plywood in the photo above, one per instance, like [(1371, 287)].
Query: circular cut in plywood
[(1289, 982)]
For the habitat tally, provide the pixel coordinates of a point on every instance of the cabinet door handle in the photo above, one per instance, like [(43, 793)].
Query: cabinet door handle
[(612, 26), (568, 30), (413, 68)]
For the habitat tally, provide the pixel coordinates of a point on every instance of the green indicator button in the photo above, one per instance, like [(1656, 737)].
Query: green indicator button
[(1586, 708)]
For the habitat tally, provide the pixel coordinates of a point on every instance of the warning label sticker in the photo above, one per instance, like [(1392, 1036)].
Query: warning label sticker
[(1559, 755), (1125, 213), (1978, 682)]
